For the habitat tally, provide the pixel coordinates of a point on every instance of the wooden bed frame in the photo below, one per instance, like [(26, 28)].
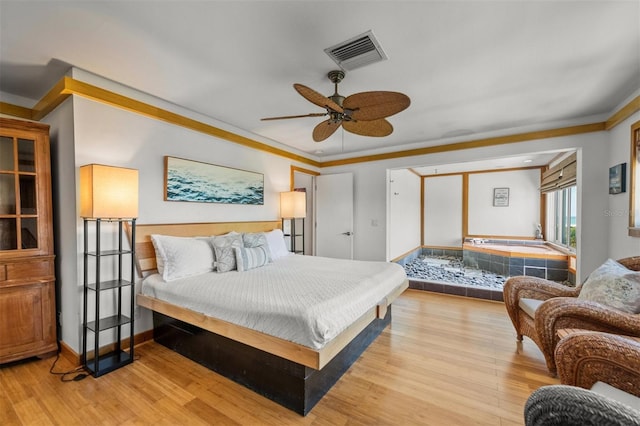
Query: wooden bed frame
[(290, 374)]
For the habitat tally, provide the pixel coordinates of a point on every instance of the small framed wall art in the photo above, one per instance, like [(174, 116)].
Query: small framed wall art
[(500, 197), (618, 179), (188, 180)]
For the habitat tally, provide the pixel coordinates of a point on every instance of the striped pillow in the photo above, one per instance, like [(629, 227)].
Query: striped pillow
[(249, 258)]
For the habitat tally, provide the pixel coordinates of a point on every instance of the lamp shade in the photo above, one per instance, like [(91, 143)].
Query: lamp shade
[(108, 192), (293, 204)]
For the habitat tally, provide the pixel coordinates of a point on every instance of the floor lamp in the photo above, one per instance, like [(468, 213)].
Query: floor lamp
[(293, 205), (108, 194)]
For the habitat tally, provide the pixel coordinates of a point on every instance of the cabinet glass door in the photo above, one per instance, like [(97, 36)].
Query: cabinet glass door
[(18, 194)]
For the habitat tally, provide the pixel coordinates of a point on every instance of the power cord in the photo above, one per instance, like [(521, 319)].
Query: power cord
[(81, 374)]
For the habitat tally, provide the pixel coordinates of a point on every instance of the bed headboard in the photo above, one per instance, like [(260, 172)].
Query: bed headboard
[(146, 255)]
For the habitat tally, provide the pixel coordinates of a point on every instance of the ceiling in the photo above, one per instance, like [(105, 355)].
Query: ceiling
[(471, 68)]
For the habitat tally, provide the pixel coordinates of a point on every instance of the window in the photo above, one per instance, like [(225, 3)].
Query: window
[(634, 186), (563, 209)]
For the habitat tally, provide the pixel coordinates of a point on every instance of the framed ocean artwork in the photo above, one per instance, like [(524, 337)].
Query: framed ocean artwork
[(188, 180)]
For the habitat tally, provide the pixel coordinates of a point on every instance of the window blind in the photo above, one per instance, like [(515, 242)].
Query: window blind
[(561, 176)]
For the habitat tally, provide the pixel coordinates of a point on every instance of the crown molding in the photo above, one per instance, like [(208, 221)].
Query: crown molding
[(68, 86)]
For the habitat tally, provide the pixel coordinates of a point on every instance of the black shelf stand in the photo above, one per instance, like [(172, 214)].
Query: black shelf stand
[(116, 356), (293, 234)]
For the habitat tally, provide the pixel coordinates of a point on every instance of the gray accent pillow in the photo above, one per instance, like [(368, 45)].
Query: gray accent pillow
[(613, 285), (225, 255), (251, 257)]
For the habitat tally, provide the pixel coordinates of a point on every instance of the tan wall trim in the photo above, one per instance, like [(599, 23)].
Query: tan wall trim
[(67, 86), (625, 112), (634, 163), (422, 212), (511, 169), (543, 208), (479, 143), (465, 205), (503, 237), (16, 111), (406, 254), (294, 169)]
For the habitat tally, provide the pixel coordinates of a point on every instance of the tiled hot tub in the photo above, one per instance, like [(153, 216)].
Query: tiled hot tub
[(509, 258)]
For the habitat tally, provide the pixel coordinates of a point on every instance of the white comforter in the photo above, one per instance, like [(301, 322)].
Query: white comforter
[(304, 299)]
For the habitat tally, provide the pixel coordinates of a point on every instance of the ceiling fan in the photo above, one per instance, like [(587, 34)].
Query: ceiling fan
[(361, 113)]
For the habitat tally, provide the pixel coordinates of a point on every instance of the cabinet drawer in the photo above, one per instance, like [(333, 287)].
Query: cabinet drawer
[(28, 270)]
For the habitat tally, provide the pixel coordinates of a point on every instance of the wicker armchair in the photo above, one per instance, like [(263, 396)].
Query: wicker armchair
[(599, 373), (585, 357), (562, 309)]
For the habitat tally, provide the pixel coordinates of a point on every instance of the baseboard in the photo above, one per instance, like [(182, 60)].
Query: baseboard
[(74, 358)]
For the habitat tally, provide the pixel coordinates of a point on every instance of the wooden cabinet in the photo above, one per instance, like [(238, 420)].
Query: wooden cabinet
[(27, 275)]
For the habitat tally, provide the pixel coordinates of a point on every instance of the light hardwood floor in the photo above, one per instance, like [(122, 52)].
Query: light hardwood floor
[(445, 360)]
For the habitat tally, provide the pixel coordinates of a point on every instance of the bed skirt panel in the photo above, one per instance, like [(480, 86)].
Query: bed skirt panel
[(288, 383)]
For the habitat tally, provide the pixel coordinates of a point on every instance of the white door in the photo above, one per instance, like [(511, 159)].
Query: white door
[(334, 215)]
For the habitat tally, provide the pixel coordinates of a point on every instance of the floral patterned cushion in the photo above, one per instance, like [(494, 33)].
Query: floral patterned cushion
[(613, 285), (223, 247), (255, 239)]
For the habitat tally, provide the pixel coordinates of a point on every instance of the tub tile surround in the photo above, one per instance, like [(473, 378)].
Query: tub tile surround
[(511, 257), (456, 289), (501, 257)]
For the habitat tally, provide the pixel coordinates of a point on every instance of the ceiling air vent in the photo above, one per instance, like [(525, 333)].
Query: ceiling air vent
[(357, 52)]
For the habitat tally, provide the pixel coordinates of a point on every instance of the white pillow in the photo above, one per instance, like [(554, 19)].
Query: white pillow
[(223, 247), (613, 285), (277, 246), (178, 257), (251, 257)]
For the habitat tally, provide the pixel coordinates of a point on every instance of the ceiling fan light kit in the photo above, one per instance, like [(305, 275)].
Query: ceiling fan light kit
[(361, 113)]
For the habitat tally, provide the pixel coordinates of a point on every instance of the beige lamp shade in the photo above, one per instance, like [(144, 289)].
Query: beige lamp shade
[(108, 192), (293, 204)]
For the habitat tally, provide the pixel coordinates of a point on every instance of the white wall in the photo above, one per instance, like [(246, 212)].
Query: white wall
[(443, 211), (404, 208), (519, 218), (616, 215), (69, 283), (370, 189), (89, 132), (107, 135)]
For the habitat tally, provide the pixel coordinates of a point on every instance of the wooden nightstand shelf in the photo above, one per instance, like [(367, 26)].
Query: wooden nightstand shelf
[(119, 291)]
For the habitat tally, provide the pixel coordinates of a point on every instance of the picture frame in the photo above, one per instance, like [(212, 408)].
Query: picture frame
[(195, 181), (618, 178), (500, 197)]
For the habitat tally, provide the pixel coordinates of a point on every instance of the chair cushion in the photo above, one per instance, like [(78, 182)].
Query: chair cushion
[(530, 306), (617, 394), (615, 286)]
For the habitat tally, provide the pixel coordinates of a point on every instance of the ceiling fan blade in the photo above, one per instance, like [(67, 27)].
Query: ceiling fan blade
[(370, 106), (284, 117), (316, 98), (377, 128), (325, 129)]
